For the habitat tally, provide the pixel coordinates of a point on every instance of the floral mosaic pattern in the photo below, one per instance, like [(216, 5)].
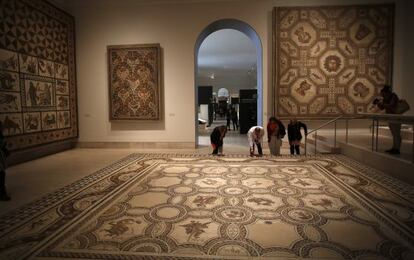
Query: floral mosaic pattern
[(134, 82)]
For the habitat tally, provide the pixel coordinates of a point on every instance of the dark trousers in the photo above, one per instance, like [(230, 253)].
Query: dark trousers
[(228, 123), (218, 147), (2, 182), (259, 148), (235, 125), (294, 148)]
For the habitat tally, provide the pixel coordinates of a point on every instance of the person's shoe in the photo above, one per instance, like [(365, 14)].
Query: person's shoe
[(4, 197), (395, 151)]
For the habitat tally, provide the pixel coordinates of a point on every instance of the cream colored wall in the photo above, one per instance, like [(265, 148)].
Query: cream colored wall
[(176, 27)]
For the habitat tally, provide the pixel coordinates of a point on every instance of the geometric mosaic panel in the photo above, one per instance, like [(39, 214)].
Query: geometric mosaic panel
[(37, 73), (134, 82), (185, 207), (331, 61)]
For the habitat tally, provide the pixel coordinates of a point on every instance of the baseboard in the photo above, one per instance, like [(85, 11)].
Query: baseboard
[(395, 167), (138, 145), (40, 151)]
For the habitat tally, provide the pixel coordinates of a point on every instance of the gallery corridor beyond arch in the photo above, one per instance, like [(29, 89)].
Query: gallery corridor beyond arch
[(247, 30)]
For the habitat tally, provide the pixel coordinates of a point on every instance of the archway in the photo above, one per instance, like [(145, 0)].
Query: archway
[(254, 37)]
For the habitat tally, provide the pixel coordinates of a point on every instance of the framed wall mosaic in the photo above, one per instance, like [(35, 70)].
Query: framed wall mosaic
[(37, 74), (135, 82), (331, 60)]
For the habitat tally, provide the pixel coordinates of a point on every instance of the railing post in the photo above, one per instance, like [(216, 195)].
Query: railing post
[(376, 137), (335, 136), (316, 138), (346, 131), (372, 136), (306, 144)]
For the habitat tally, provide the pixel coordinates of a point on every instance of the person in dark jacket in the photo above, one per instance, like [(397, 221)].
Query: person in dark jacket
[(216, 139), (275, 132), (389, 103), (228, 119), (3, 154), (234, 119), (295, 136)]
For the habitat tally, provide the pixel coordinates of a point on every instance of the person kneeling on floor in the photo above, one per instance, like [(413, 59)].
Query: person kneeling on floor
[(255, 137)]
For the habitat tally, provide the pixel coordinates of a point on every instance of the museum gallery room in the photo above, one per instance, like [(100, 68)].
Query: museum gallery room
[(206, 129)]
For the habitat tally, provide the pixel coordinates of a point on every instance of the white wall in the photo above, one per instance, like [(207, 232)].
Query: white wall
[(176, 27)]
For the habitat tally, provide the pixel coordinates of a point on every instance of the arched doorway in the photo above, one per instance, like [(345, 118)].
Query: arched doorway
[(254, 37)]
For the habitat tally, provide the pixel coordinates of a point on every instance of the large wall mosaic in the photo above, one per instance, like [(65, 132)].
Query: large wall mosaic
[(163, 206), (332, 60), (37, 73), (135, 82)]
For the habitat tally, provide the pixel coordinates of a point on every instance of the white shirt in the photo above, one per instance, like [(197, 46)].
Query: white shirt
[(253, 137)]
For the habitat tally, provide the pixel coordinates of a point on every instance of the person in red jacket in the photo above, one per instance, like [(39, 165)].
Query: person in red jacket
[(275, 132)]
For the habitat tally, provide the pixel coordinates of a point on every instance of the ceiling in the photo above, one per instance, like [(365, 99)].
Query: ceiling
[(226, 52)]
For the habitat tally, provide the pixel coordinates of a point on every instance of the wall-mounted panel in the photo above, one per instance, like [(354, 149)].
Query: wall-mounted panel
[(331, 60), (37, 74)]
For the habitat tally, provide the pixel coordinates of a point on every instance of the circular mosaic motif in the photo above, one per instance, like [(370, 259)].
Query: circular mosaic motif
[(215, 170), (287, 191), (332, 63), (168, 213), (253, 170), (276, 176), (182, 189), (233, 214), (235, 175), (301, 216), (230, 191), (233, 248)]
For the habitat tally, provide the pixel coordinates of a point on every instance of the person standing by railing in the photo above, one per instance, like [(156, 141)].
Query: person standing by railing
[(3, 154), (295, 136), (389, 102)]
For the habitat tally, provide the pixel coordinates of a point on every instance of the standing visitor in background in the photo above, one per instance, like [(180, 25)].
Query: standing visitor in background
[(295, 136), (3, 154), (234, 119), (255, 137), (275, 132), (228, 118), (216, 139), (390, 101)]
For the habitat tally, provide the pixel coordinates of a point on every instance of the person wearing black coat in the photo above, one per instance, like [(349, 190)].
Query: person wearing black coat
[(216, 139), (295, 136), (3, 154)]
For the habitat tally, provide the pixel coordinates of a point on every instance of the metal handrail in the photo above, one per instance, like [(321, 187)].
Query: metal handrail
[(325, 124), (375, 117), (316, 133)]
